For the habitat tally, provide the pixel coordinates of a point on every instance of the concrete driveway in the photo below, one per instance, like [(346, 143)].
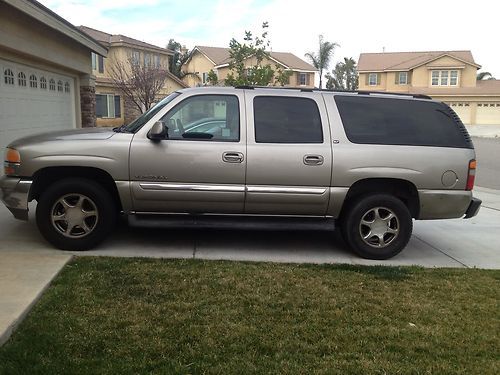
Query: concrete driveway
[(28, 263)]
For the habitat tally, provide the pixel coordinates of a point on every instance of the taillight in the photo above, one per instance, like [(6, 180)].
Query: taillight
[(471, 176)]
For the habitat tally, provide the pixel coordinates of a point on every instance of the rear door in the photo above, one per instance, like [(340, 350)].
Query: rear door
[(289, 155)]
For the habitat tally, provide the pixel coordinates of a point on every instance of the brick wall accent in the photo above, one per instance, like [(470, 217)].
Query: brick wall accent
[(87, 104), (130, 110)]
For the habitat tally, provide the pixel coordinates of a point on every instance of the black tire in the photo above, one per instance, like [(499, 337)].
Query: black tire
[(95, 199), (364, 208)]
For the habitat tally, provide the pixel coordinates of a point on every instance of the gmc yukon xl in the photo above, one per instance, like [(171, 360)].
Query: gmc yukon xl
[(368, 163)]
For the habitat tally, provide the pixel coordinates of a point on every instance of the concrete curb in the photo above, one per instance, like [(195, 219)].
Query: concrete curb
[(5, 335)]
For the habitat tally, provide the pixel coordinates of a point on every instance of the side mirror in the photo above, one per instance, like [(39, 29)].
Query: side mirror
[(158, 132)]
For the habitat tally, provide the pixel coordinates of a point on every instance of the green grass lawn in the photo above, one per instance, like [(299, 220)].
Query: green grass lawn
[(119, 316)]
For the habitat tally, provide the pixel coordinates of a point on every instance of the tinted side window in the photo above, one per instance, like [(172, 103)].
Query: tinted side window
[(399, 122), (205, 117), (286, 120)]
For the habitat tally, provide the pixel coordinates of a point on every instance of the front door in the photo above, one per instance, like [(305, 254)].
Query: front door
[(289, 154), (200, 168)]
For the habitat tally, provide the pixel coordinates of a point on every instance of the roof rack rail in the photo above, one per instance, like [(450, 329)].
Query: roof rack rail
[(359, 92)]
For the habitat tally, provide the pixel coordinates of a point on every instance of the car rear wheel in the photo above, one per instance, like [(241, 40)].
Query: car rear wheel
[(75, 214), (377, 226)]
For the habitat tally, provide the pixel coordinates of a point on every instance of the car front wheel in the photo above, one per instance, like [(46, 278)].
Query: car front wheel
[(75, 214)]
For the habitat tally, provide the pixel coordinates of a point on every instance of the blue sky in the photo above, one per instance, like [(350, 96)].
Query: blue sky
[(360, 26)]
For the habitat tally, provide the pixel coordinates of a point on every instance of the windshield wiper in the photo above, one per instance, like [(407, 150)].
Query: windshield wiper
[(120, 129)]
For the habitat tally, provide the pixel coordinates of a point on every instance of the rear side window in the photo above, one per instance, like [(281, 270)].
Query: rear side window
[(286, 120), (401, 122)]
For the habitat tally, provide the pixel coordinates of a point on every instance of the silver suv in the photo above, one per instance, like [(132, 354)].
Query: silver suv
[(253, 158)]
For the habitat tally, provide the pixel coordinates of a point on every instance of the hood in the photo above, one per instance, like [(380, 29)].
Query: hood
[(65, 135)]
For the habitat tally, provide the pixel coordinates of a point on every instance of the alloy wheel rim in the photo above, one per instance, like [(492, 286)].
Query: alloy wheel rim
[(74, 215), (379, 227)]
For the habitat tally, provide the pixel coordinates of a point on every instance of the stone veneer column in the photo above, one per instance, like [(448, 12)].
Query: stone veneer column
[(87, 101)]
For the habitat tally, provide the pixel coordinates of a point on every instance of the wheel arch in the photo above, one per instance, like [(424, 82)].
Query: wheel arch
[(404, 190), (47, 176)]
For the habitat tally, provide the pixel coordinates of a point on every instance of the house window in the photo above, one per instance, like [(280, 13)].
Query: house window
[(402, 78), (156, 61), (136, 56), (453, 78), (59, 86), (94, 61), (302, 79), (52, 85), (107, 106), (444, 78), (8, 76), (43, 83), (100, 64), (66, 87), (372, 79), (21, 79), (33, 81), (147, 59), (204, 78)]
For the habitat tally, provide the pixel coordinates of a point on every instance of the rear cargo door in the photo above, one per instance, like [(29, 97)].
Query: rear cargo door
[(289, 155)]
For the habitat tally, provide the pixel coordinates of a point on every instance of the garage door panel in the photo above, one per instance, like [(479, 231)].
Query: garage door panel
[(26, 110), (488, 113)]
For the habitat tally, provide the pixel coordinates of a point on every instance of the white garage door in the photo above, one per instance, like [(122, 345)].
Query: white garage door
[(33, 101), (462, 109), (488, 113)]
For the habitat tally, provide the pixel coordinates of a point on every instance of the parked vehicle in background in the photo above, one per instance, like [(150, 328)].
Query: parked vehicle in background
[(253, 157)]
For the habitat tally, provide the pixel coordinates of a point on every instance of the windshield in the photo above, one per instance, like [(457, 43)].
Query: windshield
[(145, 117)]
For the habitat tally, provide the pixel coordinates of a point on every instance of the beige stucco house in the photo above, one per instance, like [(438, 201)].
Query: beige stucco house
[(46, 80), (112, 107), (449, 76), (204, 59)]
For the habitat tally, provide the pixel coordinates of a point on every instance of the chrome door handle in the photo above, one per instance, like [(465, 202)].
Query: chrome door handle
[(232, 157), (313, 160)]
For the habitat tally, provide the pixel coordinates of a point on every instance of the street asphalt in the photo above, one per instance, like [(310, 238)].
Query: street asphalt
[(488, 162)]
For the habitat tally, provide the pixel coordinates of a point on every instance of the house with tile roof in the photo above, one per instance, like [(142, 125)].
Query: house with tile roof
[(204, 59), (448, 76), (112, 107)]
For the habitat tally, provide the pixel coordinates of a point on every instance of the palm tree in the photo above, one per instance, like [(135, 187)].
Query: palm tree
[(321, 59), (484, 76)]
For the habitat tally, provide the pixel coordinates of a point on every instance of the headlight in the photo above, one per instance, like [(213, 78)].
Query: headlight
[(12, 162)]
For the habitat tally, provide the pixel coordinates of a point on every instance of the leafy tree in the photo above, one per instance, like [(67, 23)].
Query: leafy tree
[(248, 65), (140, 83), (344, 76), (484, 76), (175, 62), (212, 78), (321, 59)]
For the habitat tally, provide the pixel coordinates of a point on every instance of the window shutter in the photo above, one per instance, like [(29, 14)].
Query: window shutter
[(409, 78), (379, 76), (100, 105), (307, 79), (118, 112), (367, 79), (298, 79), (396, 78), (101, 64)]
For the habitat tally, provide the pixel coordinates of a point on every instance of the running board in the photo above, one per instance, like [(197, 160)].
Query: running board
[(231, 222)]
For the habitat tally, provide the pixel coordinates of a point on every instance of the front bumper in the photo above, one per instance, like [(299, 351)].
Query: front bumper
[(14, 193)]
